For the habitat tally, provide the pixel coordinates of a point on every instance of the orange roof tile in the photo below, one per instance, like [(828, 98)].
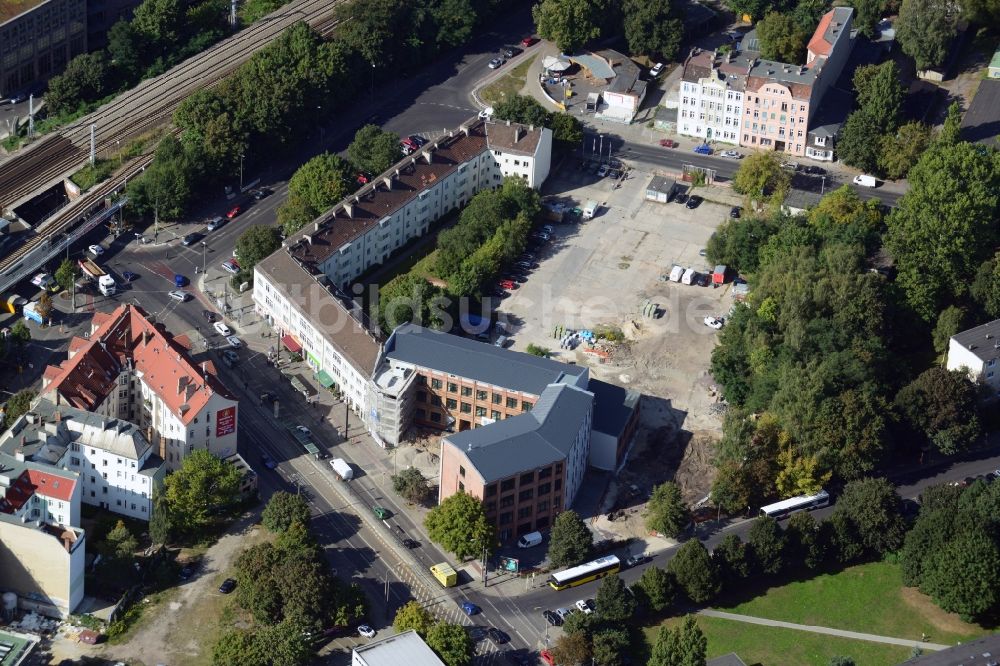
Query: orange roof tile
[(818, 44), (49, 485)]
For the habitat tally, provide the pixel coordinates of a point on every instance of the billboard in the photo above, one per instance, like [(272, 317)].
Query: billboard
[(225, 421)]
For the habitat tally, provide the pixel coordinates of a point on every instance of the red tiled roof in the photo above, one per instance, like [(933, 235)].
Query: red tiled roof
[(19, 492), (58, 487), (818, 44), (126, 335)]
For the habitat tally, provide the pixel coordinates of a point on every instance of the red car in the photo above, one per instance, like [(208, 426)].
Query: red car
[(508, 284), (236, 210), (362, 179), (528, 41), (547, 658), (668, 143)]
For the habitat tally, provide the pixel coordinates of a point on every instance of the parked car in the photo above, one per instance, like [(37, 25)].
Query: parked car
[(417, 139), (128, 276), (528, 41), (366, 631), (234, 341), (714, 322), (209, 316), (222, 329), (179, 295), (564, 613), (496, 63), (655, 70), (497, 637), (230, 356), (734, 212), (584, 606), (865, 181), (668, 143), (680, 198), (791, 166), (486, 113), (96, 250), (234, 211), (547, 657), (231, 266), (693, 201), (227, 586), (814, 170), (635, 560), (703, 149), (304, 430), (187, 571), (268, 461), (216, 223), (470, 608), (552, 618), (190, 239), (509, 52), (260, 193), (732, 154)]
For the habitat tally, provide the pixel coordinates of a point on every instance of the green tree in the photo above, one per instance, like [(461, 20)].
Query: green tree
[(961, 576), (570, 542), (20, 334), (374, 150), (845, 542), (867, 14), (164, 188), (807, 540), (572, 648), (451, 642), (880, 100), (407, 298), (653, 27), (525, 110), (44, 306), (760, 175), (807, 14), (952, 128), (685, 645), (731, 560), (257, 242), (283, 509), (85, 79), (197, 491), (872, 506), (161, 526), (413, 616), (459, 524), (899, 151), (666, 648), (125, 50), (665, 510), (925, 30), (238, 647), (941, 406), (158, 23), (535, 350), (767, 543), (18, 404), (614, 602), (284, 644), (781, 38), (657, 588), (120, 542), (411, 484), (755, 9), (254, 10), (610, 646), (943, 226), (350, 604), (859, 142), (322, 181), (294, 214), (567, 130), (985, 289), (695, 572), (66, 274), (568, 23), (952, 320)]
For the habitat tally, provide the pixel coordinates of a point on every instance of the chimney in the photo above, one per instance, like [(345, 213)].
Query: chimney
[(58, 416), (349, 209), (465, 130), (316, 226), (308, 238), (428, 155), (508, 123), (19, 453), (517, 134), (388, 182)]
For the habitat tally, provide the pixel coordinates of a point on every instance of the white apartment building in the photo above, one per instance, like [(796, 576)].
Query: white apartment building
[(129, 369), (117, 467), (710, 96), (977, 353), (363, 230)]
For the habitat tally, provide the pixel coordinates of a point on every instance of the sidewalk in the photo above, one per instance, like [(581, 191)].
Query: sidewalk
[(842, 633)]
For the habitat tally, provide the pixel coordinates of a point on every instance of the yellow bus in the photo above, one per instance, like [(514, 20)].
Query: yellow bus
[(599, 568)]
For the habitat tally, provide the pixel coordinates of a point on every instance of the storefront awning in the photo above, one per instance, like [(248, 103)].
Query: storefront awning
[(291, 345), (324, 379)]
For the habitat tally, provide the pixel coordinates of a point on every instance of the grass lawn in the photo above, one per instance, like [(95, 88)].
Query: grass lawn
[(770, 646), (868, 597), (508, 85)]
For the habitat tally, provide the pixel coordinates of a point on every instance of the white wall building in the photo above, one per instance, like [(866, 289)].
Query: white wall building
[(129, 369), (710, 96), (403, 648), (977, 353)]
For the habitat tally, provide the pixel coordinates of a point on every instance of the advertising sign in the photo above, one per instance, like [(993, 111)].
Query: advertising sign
[(225, 421)]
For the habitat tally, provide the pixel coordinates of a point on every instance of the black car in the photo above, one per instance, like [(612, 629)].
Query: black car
[(260, 194), (209, 316), (187, 571), (190, 239), (552, 618), (227, 586), (815, 171), (693, 201), (518, 658), (735, 212), (268, 461), (497, 637), (681, 198)]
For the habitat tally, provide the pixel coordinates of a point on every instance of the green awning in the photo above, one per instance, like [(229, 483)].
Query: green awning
[(324, 379)]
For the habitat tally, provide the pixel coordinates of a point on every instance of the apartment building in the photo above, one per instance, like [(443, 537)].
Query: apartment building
[(399, 205), (710, 96), (403, 648), (526, 468), (977, 353), (43, 564), (116, 466), (130, 369), (37, 39), (36, 492)]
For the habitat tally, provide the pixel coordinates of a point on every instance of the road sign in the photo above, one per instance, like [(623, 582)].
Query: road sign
[(509, 564)]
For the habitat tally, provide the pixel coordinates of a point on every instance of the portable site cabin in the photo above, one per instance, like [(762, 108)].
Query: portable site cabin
[(719, 274)]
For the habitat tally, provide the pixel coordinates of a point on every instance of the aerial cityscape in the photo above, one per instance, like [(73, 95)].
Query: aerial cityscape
[(499, 332)]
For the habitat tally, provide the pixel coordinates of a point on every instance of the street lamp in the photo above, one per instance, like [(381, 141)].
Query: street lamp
[(373, 82), (204, 245), (241, 172)]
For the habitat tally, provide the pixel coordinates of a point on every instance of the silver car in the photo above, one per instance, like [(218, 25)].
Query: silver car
[(179, 295)]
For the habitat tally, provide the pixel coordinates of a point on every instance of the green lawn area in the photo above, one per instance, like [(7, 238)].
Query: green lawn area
[(508, 85), (769, 646), (868, 597)]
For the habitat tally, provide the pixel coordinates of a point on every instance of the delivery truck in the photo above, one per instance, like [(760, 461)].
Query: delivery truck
[(105, 283), (445, 574), (342, 468), (590, 210)]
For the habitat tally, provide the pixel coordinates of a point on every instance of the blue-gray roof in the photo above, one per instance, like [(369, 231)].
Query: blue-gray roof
[(483, 362), (613, 406), (527, 441)]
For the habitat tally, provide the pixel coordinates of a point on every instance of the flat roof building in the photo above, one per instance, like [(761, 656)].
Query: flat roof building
[(976, 351), (404, 648)]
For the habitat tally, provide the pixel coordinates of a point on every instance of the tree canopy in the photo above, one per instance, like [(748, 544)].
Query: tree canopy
[(925, 30), (283, 509), (940, 406), (653, 27), (459, 525), (570, 542), (374, 150), (200, 488), (665, 510), (782, 38), (568, 23), (695, 572)]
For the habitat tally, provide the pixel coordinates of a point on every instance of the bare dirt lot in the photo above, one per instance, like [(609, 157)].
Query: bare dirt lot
[(601, 273)]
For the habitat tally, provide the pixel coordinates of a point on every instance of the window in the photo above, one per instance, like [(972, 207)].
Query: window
[(505, 517), (74, 461), (452, 387), (507, 484), (466, 408), (435, 383), (526, 495), (480, 395), (506, 501), (421, 413), (497, 398), (543, 506), (436, 417), (118, 502), (451, 403), (491, 490), (525, 406), (436, 400), (992, 362), (466, 391), (527, 478), (557, 485), (461, 487), (524, 512), (480, 411), (495, 415), (544, 488), (461, 471), (511, 403)]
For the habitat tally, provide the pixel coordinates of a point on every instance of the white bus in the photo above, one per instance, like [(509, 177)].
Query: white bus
[(787, 507), (602, 566)]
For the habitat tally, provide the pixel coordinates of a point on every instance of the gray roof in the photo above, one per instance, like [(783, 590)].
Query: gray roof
[(527, 441), (801, 199), (697, 14), (983, 340), (832, 113), (981, 123), (466, 358), (660, 184), (613, 406), (405, 648), (980, 652)]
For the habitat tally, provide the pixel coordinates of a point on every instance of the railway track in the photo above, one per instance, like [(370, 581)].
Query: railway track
[(150, 104)]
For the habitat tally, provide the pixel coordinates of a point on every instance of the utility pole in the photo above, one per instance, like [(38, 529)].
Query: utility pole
[(485, 583), (241, 172), (92, 144), (31, 116), (203, 246)]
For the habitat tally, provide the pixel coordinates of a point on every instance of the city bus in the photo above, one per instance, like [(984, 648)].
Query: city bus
[(599, 568), (787, 507)]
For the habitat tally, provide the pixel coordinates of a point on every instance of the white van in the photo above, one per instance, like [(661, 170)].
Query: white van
[(676, 273), (689, 276), (590, 210), (865, 181), (530, 540)]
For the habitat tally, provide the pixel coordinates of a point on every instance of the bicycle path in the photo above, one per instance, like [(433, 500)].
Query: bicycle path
[(842, 633)]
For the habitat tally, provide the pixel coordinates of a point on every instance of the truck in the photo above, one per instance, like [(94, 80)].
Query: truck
[(590, 210), (689, 276), (342, 468), (445, 574), (105, 283), (676, 273)]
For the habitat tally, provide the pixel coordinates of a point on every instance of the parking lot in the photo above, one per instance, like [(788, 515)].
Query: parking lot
[(603, 272)]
